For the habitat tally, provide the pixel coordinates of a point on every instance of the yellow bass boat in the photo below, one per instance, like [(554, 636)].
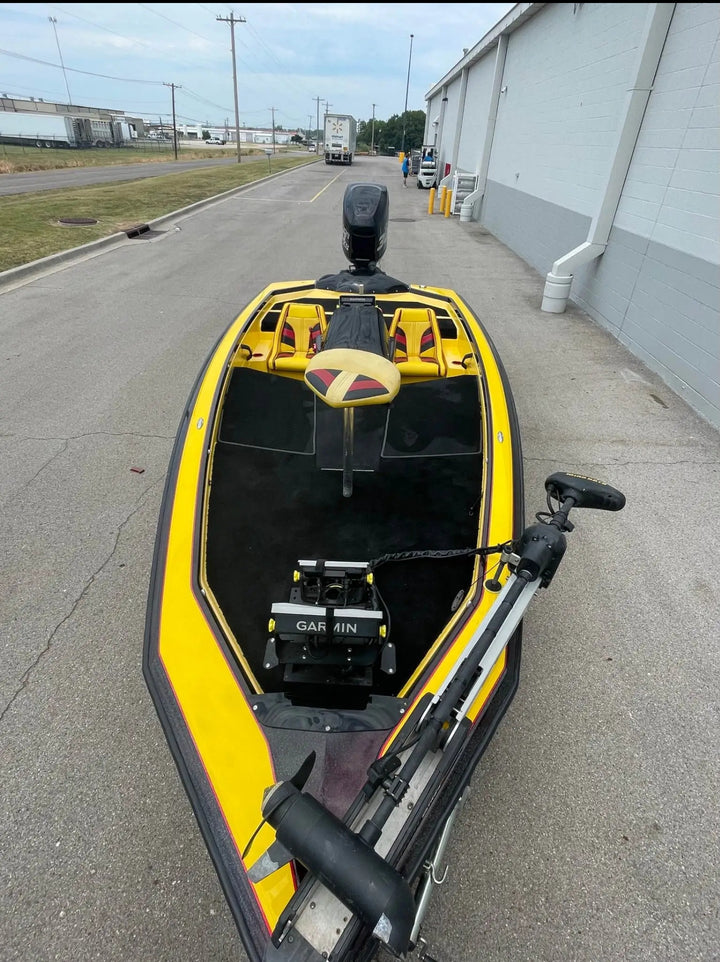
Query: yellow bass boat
[(340, 574)]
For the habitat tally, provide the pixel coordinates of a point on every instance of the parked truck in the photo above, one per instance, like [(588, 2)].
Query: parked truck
[(62, 130), (340, 138)]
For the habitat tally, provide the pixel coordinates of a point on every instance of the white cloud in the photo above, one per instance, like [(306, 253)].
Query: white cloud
[(349, 54)]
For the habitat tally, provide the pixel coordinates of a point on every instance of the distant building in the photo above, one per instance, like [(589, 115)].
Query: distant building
[(248, 135)]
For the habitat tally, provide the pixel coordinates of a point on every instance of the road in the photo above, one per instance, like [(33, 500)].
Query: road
[(590, 833), (38, 180)]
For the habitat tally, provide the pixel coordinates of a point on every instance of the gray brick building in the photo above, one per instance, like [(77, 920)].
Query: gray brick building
[(589, 137)]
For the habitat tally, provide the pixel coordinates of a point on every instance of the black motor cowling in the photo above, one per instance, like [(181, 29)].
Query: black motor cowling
[(365, 223)]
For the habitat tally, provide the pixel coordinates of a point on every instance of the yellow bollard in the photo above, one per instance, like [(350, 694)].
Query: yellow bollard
[(448, 203), (401, 156), (431, 201), (443, 195)]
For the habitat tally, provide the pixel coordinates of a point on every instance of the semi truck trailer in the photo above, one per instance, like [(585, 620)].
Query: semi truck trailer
[(340, 138), (62, 130)]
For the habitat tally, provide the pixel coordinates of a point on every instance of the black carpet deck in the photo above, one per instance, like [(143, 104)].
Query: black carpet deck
[(271, 507)]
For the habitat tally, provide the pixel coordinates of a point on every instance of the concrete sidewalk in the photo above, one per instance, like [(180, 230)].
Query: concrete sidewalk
[(607, 764)]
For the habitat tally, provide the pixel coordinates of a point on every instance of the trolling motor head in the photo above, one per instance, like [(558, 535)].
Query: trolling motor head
[(585, 492), (365, 224), (542, 545)]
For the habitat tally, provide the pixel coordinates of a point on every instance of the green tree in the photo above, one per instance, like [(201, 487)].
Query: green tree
[(389, 133), (370, 134)]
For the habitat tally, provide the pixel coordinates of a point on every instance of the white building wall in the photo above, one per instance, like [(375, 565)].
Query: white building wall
[(450, 124), (672, 188), (656, 287), (567, 77), (474, 123)]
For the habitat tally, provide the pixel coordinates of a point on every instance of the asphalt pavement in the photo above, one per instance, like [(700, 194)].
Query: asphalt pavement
[(590, 833)]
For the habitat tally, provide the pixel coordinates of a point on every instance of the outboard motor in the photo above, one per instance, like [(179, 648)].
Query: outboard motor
[(364, 241), (365, 223)]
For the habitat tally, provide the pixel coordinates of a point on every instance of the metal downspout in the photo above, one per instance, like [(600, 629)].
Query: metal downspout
[(439, 137), (559, 280), (468, 205)]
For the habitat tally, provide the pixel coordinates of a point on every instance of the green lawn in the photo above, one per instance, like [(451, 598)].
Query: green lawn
[(31, 222), (15, 159)]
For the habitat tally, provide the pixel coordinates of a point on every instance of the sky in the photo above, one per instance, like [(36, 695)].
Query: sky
[(293, 61)]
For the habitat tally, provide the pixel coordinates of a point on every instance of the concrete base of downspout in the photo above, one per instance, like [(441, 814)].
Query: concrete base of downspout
[(556, 293), (559, 280), (468, 206)]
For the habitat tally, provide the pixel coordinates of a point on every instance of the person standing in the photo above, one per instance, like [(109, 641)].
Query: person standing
[(405, 169)]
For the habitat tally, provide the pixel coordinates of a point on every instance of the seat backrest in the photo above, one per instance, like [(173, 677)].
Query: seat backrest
[(298, 336), (417, 345)]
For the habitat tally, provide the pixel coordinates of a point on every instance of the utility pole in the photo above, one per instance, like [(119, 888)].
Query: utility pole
[(174, 88), (272, 111), (372, 138), (407, 88), (232, 21), (317, 111), (327, 107), (53, 21)]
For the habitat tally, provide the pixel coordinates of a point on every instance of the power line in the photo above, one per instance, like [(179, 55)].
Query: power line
[(100, 26), (87, 73), (176, 24)]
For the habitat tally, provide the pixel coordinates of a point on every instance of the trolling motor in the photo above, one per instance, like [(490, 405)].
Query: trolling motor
[(345, 861), (542, 545)]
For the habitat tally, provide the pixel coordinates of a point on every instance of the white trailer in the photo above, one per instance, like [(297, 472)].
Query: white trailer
[(340, 138), (61, 130), (42, 130)]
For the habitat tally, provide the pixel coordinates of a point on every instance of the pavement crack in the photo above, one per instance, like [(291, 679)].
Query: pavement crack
[(86, 587), (93, 434), (57, 454)]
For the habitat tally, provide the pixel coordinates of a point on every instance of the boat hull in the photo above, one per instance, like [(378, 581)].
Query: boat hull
[(256, 498)]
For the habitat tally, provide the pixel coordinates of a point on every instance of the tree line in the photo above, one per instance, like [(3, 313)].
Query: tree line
[(385, 135)]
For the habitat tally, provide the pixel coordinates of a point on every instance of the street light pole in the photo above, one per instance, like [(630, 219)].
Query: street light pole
[(407, 89), (372, 136), (53, 21)]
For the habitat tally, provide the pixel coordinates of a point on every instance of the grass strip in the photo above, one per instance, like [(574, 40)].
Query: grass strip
[(31, 227)]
